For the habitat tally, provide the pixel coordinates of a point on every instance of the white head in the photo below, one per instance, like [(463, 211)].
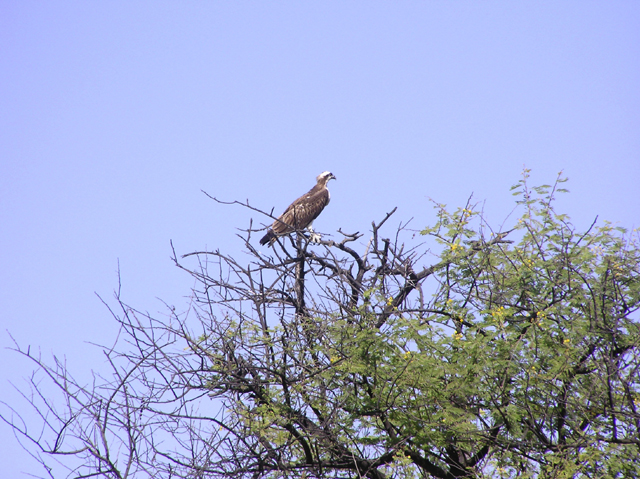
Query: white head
[(325, 176)]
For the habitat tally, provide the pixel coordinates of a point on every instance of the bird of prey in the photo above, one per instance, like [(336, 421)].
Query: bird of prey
[(301, 213)]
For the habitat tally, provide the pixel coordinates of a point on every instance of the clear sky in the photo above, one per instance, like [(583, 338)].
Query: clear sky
[(115, 115)]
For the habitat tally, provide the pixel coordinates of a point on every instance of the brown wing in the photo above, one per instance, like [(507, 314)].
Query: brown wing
[(302, 211)]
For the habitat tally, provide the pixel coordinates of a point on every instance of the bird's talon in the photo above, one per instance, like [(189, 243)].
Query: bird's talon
[(315, 238)]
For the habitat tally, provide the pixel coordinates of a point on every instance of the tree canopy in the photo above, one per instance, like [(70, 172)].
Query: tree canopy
[(457, 351)]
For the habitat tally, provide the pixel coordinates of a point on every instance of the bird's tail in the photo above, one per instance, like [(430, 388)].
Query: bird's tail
[(270, 237)]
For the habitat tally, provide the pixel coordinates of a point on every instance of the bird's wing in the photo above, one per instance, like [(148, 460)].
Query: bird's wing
[(301, 212)]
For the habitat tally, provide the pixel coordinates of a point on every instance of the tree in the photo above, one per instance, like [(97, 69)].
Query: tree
[(510, 353)]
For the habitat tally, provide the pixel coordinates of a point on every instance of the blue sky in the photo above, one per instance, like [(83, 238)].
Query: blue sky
[(115, 115)]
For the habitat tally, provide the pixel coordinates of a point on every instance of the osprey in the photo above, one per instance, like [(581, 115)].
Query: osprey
[(301, 213)]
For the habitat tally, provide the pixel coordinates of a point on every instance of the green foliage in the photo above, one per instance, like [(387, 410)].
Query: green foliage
[(524, 363)]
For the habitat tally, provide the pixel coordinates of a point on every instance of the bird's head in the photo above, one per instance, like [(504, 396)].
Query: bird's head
[(325, 176)]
